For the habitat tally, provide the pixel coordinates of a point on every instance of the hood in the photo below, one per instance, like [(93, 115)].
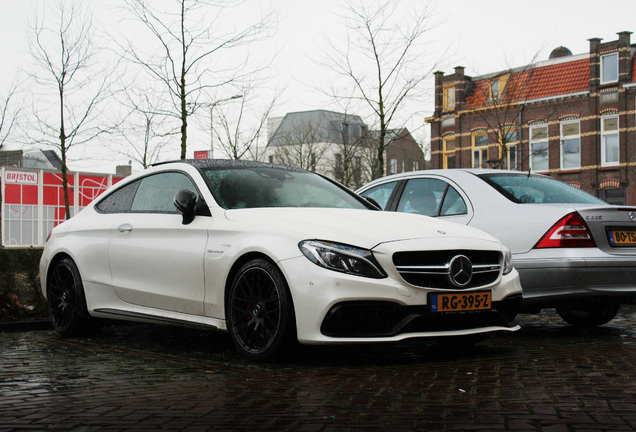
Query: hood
[(362, 228)]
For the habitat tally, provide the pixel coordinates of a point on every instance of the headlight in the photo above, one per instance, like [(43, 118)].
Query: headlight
[(507, 261), (342, 258)]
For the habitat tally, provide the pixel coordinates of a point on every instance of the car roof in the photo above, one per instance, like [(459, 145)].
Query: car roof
[(450, 173), (227, 163)]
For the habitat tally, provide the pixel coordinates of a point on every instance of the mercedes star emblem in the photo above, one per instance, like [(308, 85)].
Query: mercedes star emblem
[(460, 271)]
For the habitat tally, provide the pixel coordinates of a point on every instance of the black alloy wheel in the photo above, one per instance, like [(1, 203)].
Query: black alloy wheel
[(260, 312), (66, 300)]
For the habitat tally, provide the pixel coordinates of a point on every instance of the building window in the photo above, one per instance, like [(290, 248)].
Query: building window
[(480, 150), (394, 164), (570, 145), (539, 148), (449, 153), (609, 68), (609, 141), (611, 195), (511, 142), (449, 97)]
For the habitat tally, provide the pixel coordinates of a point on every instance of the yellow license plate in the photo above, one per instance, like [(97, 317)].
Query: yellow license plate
[(622, 238), (457, 302)]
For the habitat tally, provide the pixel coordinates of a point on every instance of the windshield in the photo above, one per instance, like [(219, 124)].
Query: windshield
[(242, 187), (526, 189)]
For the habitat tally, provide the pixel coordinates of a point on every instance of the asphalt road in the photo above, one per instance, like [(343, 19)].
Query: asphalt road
[(548, 377)]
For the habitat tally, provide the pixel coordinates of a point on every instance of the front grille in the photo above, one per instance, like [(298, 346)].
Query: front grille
[(432, 269)]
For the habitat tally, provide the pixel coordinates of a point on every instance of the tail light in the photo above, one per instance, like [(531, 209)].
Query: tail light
[(571, 232)]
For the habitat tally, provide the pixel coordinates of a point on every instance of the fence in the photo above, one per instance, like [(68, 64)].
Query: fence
[(33, 202)]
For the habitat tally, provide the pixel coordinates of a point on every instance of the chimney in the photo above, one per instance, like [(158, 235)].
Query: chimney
[(460, 87), (624, 60), (595, 61), (439, 95)]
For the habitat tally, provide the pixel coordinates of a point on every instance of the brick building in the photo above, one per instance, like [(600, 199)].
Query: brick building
[(572, 117)]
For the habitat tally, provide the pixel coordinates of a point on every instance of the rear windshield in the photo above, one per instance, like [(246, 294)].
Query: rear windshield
[(529, 189)]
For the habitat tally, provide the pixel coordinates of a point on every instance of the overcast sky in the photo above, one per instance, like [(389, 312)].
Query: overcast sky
[(482, 35)]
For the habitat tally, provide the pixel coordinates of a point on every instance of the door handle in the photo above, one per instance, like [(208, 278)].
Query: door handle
[(124, 228)]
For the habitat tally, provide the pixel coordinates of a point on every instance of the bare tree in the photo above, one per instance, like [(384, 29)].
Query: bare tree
[(504, 95), (239, 131), (143, 126), (70, 81), (8, 115), (349, 160), (302, 147), (191, 61), (381, 63)]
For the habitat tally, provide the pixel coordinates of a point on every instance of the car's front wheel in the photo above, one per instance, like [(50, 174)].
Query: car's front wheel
[(588, 313), (66, 300), (260, 312)]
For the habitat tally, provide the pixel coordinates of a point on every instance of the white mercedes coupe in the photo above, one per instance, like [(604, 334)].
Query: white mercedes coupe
[(274, 256)]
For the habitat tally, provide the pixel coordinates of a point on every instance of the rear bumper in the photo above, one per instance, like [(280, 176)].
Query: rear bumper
[(549, 281)]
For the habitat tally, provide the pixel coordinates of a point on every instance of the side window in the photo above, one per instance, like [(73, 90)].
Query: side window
[(156, 192), (453, 204), (381, 193), (431, 197), (422, 196), (119, 201)]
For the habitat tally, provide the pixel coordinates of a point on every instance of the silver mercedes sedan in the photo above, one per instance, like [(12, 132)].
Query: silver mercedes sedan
[(573, 251)]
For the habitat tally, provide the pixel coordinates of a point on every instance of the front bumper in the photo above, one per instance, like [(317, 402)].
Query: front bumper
[(365, 319), (332, 307)]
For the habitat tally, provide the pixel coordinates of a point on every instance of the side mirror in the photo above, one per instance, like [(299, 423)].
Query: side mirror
[(185, 201)]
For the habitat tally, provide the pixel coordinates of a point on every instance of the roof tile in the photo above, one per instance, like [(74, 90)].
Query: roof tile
[(536, 83)]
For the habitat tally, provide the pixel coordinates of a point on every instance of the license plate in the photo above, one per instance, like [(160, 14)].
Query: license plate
[(622, 238), (457, 302)]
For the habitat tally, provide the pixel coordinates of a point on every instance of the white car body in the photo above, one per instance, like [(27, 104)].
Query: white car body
[(154, 268)]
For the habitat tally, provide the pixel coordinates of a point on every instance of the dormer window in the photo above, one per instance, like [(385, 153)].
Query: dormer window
[(609, 68), (494, 90), (497, 87)]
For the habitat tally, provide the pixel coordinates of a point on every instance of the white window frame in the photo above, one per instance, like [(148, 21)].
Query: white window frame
[(570, 137), (480, 152), (449, 97), (545, 140), (510, 161), (607, 134), (613, 79)]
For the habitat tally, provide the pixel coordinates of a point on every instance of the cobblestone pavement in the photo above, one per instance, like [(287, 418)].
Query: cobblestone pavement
[(548, 377)]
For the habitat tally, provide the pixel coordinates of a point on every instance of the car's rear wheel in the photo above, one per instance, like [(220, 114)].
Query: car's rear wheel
[(260, 312), (588, 313), (67, 302)]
